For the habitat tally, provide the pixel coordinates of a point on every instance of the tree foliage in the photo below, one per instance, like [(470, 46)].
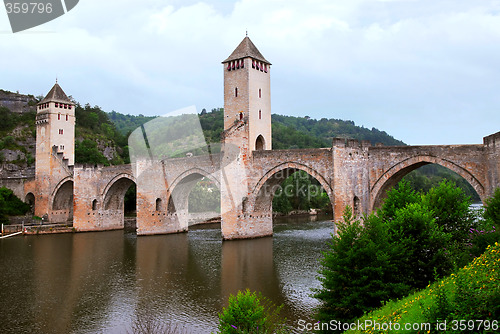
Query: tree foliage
[(250, 312), (10, 205), (413, 238)]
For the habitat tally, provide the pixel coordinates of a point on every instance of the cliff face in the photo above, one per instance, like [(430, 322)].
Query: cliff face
[(17, 103)]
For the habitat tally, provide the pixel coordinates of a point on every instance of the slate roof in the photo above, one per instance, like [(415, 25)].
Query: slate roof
[(56, 94), (246, 49)]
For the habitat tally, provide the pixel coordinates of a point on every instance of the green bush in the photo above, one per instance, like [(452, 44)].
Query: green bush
[(492, 208), (10, 205), (356, 271), (250, 312), (413, 239)]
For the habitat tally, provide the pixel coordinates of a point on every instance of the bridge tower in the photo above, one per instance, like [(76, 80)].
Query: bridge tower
[(55, 153), (247, 95), (247, 128)]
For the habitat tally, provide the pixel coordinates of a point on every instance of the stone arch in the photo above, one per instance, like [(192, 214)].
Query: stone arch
[(30, 200), (260, 143), (178, 192), (62, 197), (262, 195), (114, 192), (395, 173)]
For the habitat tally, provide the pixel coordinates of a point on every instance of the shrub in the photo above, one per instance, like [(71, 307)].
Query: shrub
[(249, 312), (356, 272)]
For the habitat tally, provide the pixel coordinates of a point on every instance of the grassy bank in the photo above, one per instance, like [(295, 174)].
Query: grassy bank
[(463, 300)]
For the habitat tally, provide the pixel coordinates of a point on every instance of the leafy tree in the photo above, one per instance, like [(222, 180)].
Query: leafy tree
[(86, 152), (250, 312), (492, 208), (403, 247), (397, 198), (416, 231), (11, 205), (451, 208), (356, 271)]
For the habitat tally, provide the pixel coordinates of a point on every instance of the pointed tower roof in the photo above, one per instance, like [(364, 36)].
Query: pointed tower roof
[(246, 49), (56, 94)]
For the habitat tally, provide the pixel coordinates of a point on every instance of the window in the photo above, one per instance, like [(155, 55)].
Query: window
[(61, 131), (66, 117), (241, 115), (65, 106), (94, 204), (260, 93), (61, 147), (260, 114), (58, 116), (159, 206), (236, 92), (57, 105)]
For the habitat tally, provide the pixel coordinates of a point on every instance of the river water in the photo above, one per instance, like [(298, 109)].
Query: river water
[(104, 282)]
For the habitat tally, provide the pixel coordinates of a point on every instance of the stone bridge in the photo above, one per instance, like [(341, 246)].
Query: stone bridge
[(351, 172), (247, 170)]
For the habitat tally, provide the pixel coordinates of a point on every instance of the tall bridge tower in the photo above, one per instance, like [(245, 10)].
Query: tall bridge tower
[(247, 95), (55, 153)]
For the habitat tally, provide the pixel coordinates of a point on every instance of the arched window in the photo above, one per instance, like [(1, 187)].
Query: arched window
[(66, 116), (260, 144), (94, 204), (159, 205), (356, 206), (260, 93), (241, 116), (260, 114), (236, 92), (58, 116)]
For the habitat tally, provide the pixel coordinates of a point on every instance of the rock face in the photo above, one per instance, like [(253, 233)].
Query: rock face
[(16, 102)]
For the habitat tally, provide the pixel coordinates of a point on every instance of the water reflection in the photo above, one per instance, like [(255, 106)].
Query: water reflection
[(103, 282)]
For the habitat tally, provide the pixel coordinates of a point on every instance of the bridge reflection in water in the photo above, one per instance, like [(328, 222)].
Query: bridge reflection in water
[(103, 282)]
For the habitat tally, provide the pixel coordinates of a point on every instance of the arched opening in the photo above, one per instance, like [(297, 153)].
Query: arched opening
[(197, 197), (94, 205), (63, 199), (356, 206), (424, 175), (119, 204), (159, 204), (260, 143), (295, 190), (115, 197), (30, 200)]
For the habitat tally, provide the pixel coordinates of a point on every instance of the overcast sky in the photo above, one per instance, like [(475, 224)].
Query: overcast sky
[(426, 72)]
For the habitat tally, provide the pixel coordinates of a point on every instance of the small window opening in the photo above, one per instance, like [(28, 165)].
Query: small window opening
[(58, 116), (236, 92), (94, 204), (159, 206), (241, 116), (260, 114), (260, 93)]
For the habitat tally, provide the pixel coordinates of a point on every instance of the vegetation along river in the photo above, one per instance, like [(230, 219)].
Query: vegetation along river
[(103, 282)]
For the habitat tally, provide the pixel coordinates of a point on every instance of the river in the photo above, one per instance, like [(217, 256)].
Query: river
[(104, 282)]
